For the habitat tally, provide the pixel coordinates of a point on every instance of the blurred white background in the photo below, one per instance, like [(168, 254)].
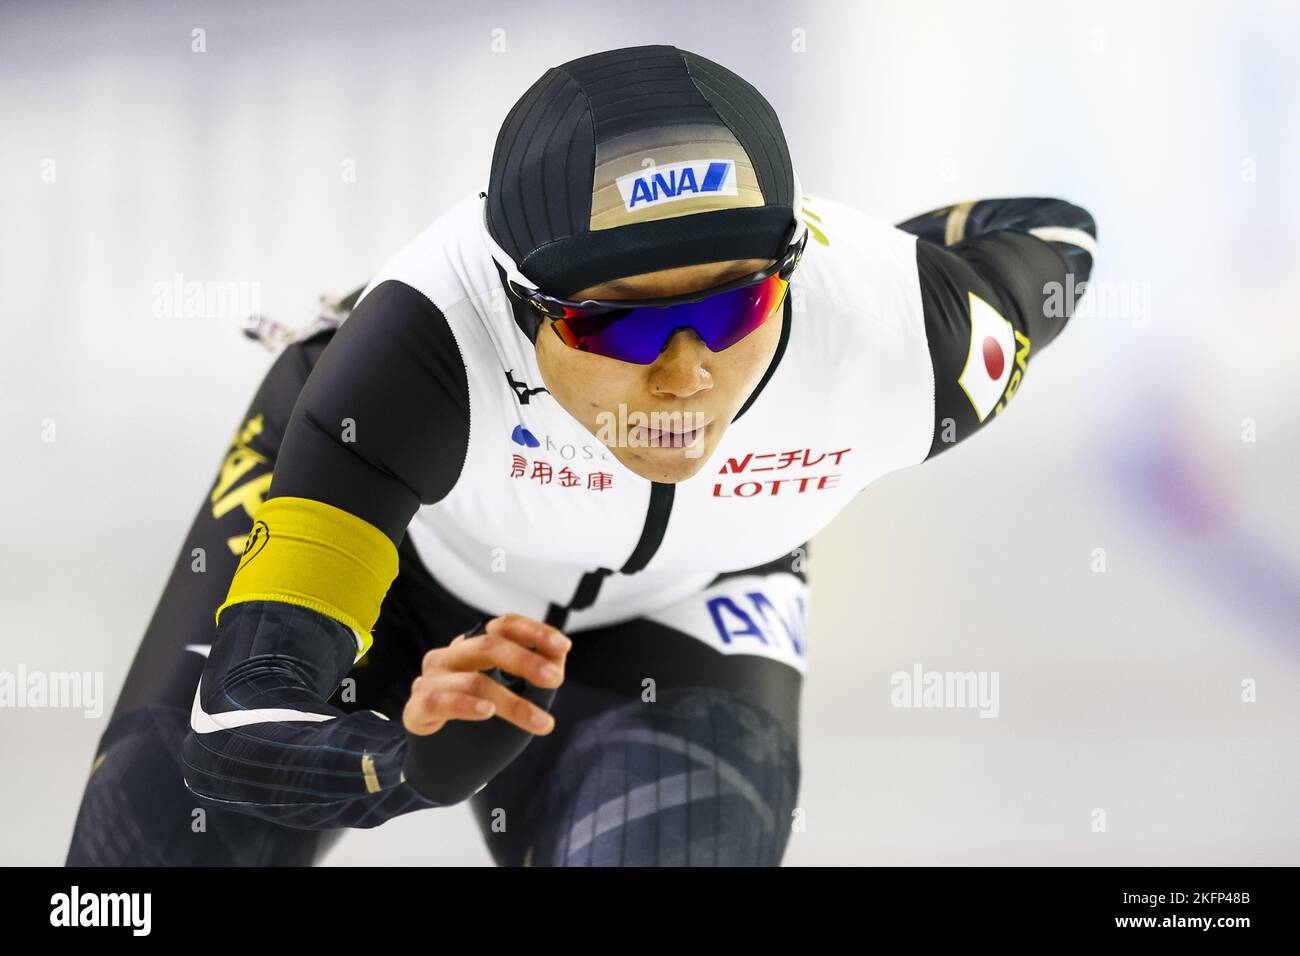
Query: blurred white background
[(127, 159)]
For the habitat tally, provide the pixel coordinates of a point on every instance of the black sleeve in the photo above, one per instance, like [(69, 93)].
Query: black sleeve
[(382, 425), (1067, 228), (999, 281), (264, 741)]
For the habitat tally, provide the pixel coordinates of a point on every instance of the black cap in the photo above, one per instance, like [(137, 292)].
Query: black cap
[(636, 160)]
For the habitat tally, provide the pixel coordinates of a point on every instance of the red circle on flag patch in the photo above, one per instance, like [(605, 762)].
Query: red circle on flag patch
[(994, 360)]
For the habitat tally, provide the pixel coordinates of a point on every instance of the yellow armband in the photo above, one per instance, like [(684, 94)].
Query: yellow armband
[(317, 556)]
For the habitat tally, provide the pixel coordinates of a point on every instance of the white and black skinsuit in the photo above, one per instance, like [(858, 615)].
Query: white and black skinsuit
[(896, 343)]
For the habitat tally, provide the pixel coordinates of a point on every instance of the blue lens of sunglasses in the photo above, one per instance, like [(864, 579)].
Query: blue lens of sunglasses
[(639, 335)]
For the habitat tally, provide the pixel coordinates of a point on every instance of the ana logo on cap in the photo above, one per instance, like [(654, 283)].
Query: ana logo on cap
[(661, 184)]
